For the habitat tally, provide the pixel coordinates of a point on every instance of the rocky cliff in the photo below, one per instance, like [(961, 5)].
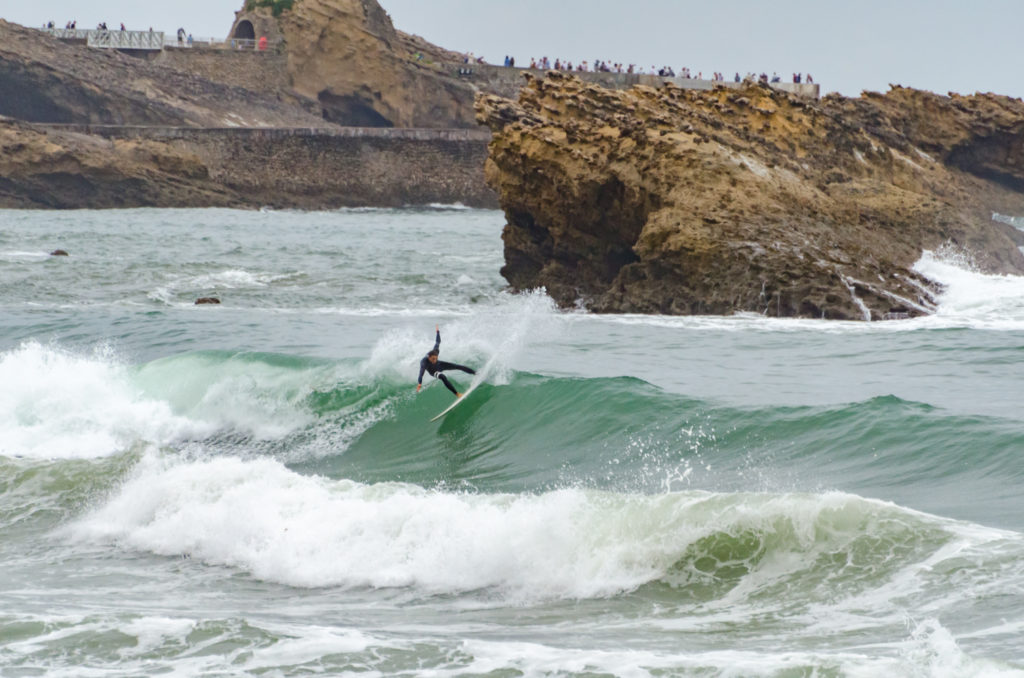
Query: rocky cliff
[(83, 127), (347, 55), (45, 80), (684, 202), (60, 170)]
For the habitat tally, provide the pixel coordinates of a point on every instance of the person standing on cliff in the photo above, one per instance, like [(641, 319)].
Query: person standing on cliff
[(435, 368)]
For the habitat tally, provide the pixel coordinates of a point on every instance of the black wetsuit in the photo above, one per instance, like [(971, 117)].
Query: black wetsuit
[(437, 369)]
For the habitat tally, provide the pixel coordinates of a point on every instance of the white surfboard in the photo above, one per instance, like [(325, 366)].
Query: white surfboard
[(477, 380), (472, 387)]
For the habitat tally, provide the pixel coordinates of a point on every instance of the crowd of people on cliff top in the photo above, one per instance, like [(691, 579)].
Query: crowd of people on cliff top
[(602, 66), (73, 25)]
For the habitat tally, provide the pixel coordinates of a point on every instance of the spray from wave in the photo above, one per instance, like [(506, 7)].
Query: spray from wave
[(708, 548)]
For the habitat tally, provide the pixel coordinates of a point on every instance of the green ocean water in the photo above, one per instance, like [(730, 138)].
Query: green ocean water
[(255, 489)]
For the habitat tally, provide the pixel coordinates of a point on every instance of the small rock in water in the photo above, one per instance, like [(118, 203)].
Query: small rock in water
[(207, 300), (59, 253)]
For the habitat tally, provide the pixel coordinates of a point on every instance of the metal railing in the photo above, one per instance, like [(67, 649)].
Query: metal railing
[(218, 43), (126, 40), (152, 40)]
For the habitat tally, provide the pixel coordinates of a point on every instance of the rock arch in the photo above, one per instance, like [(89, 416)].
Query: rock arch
[(244, 30)]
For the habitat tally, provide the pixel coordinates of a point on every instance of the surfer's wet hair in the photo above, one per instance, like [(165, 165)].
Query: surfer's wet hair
[(434, 352)]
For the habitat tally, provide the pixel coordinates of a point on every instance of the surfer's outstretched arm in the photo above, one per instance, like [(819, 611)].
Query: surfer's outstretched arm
[(441, 365), (437, 344), (423, 368)]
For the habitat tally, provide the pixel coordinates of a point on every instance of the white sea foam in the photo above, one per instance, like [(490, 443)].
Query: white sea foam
[(59, 404), (931, 650), (283, 527), (969, 299), (152, 633), (534, 659), (21, 255), (231, 279), (494, 336), (56, 404), (262, 518), (455, 206), (316, 643), (245, 395), (973, 299)]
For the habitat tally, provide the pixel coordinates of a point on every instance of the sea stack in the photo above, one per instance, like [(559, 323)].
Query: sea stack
[(750, 199), (347, 56)]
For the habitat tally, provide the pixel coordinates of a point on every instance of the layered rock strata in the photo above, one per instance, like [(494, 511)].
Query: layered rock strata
[(183, 129), (63, 170), (62, 167), (347, 55), (686, 202), (44, 80)]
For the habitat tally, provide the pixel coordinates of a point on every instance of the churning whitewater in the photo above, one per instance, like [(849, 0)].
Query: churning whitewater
[(255, 487)]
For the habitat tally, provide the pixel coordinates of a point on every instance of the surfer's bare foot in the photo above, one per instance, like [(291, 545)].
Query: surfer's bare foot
[(458, 395)]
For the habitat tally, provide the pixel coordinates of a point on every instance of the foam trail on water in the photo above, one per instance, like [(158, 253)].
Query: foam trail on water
[(231, 279)]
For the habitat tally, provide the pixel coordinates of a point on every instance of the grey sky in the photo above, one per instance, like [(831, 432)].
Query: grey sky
[(939, 45)]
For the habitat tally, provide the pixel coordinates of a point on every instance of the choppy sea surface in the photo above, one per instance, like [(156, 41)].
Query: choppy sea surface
[(255, 489)]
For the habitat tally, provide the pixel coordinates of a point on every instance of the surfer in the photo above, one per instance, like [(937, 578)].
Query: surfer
[(436, 368)]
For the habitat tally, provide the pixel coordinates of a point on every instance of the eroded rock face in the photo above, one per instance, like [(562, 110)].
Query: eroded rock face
[(44, 80), (59, 170), (347, 55), (686, 202)]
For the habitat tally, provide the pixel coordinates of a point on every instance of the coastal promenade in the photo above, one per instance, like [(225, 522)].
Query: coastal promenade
[(165, 133), (502, 80), (107, 39), (505, 81), (152, 41)]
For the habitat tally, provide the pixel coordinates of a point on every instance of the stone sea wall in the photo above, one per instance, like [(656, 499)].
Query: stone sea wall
[(251, 69), (327, 168)]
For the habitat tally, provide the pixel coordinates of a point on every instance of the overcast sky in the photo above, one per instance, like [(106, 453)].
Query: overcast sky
[(939, 45)]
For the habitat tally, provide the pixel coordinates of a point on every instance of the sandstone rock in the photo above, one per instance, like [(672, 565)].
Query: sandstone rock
[(347, 55), (685, 202), (95, 108), (65, 170), (45, 80)]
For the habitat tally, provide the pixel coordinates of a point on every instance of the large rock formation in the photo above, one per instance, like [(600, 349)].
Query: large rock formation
[(62, 170), (347, 55), (83, 127), (44, 80), (682, 202)]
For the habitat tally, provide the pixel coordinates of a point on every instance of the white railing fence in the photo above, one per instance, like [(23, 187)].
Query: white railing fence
[(112, 39)]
